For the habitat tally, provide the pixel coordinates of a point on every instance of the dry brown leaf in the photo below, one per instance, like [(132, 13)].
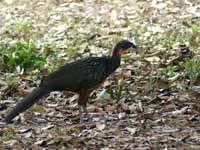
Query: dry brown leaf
[(100, 126)]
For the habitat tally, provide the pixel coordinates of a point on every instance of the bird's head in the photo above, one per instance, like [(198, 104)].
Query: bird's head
[(122, 46)]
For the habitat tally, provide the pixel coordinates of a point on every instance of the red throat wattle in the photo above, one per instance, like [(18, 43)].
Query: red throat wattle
[(121, 51)]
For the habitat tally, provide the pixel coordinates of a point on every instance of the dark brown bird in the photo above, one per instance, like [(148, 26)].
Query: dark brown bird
[(81, 77)]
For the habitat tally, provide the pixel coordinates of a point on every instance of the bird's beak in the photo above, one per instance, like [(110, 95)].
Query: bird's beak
[(137, 49)]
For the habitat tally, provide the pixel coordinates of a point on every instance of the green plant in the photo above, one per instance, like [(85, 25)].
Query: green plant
[(115, 94), (169, 38), (139, 35), (171, 70), (21, 26), (60, 131), (8, 135), (194, 39), (152, 77), (71, 52), (12, 82), (21, 54), (29, 140), (37, 108), (191, 68)]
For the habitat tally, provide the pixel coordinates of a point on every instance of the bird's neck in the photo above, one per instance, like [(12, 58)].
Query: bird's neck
[(115, 62)]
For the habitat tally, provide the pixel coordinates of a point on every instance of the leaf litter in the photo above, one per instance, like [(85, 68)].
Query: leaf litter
[(159, 107)]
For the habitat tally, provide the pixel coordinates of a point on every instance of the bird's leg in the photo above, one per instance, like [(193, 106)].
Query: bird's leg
[(82, 103), (83, 113)]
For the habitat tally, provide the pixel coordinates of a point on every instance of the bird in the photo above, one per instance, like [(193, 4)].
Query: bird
[(81, 77)]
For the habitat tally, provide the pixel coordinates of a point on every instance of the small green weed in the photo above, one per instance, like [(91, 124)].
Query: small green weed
[(191, 68), (61, 136), (152, 75), (29, 140), (116, 94), (21, 26), (37, 108), (71, 52), (139, 35), (194, 39), (171, 70), (12, 82), (9, 134), (60, 131), (169, 39)]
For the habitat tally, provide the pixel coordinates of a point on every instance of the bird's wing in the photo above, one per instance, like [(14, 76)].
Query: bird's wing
[(94, 73), (85, 73)]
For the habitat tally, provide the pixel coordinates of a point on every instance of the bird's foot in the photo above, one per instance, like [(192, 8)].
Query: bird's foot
[(85, 117)]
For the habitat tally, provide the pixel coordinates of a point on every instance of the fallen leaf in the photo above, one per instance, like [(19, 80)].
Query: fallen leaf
[(131, 130), (100, 126)]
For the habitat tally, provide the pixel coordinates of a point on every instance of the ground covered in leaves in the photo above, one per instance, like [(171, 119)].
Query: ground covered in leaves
[(150, 102)]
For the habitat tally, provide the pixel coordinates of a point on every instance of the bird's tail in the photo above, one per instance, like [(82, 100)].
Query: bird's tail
[(27, 102)]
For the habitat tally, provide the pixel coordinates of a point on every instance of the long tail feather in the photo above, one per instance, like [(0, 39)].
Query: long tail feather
[(27, 102)]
